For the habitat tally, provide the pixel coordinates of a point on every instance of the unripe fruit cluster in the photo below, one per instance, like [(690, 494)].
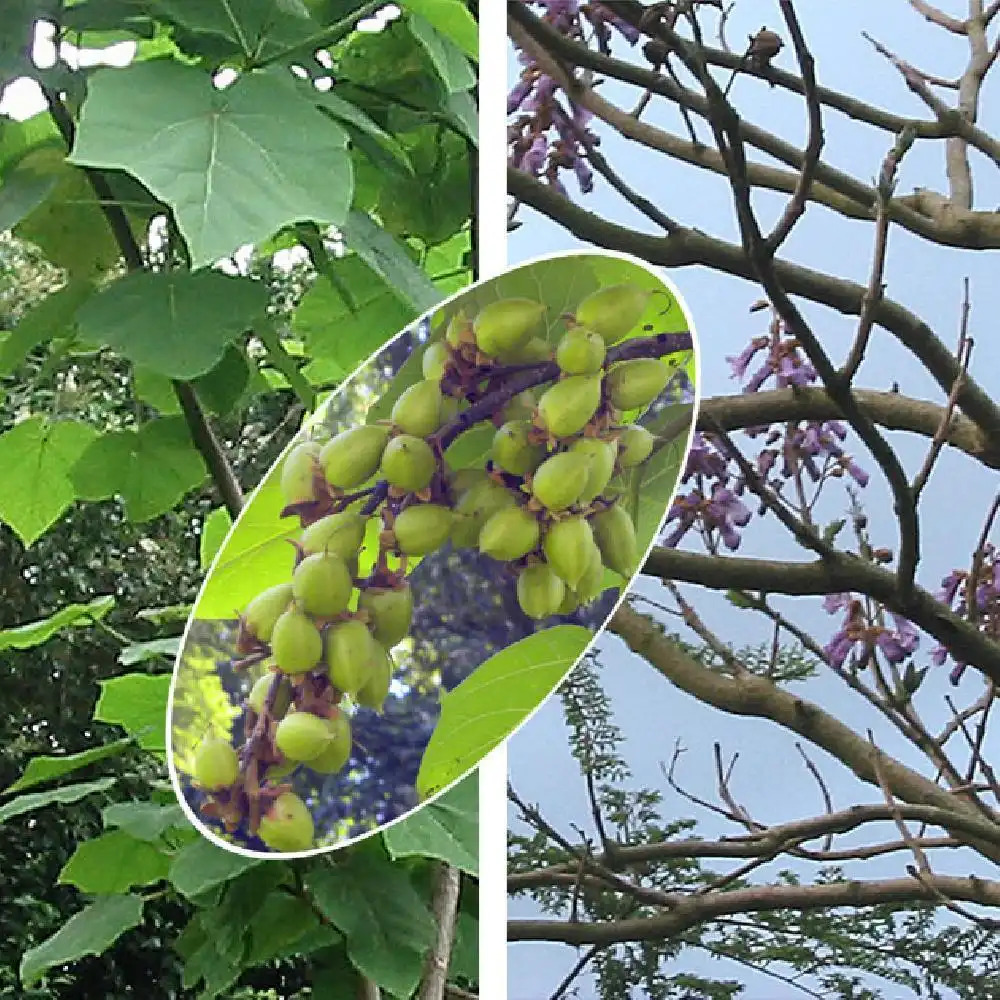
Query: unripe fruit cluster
[(547, 504)]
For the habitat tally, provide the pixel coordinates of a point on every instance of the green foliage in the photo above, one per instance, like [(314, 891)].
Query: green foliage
[(486, 707), (107, 295)]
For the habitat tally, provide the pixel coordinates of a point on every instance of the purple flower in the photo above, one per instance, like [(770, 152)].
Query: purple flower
[(583, 174), (534, 159), (741, 361), (833, 603), (518, 93), (838, 648), (855, 471)]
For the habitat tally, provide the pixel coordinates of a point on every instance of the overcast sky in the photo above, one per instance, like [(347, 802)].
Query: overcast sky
[(770, 779)]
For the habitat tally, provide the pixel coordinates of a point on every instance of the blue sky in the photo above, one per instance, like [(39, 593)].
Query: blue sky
[(770, 778)]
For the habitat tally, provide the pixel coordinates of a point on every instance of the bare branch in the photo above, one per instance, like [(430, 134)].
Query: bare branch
[(757, 697), (762, 899), (937, 16), (876, 288)]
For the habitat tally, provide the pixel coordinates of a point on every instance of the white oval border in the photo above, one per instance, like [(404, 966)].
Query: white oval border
[(192, 817)]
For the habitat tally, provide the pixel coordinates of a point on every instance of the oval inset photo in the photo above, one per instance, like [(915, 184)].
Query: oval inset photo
[(432, 554)]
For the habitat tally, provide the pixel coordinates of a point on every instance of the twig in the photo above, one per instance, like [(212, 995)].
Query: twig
[(884, 190), (445, 909), (824, 790)]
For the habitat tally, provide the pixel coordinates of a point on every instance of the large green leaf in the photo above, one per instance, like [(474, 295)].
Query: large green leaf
[(452, 19), (235, 165), (447, 829), (428, 206), (56, 796), (152, 649), (36, 456), (202, 866), (43, 769), (151, 468), (256, 30), (257, 550), (175, 323), (114, 862), (495, 699), (341, 334), (451, 66), (375, 906), (137, 703), (144, 820), (51, 318), (389, 259), (213, 534), (72, 615), (90, 932)]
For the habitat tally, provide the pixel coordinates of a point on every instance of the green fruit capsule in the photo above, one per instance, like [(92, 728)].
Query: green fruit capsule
[(408, 463), (602, 466), (475, 507), (567, 407), (540, 591), (374, 693), (265, 609), (613, 311), (338, 534), (580, 352), (296, 643), (338, 749), (390, 611), (418, 409), (435, 359), (257, 697), (521, 407), (456, 326), (634, 446), (301, 736), (559, 480), (464, 480), (423, 528), (350, 651), (570, 603), (509, 534), (513, 449), (590, 583), (533, 352), (449, 408), (634, 384), (508, 324), (614, 533), (215, 764), (298, 471), (276, 772), (353, 456), (567, 548), (322, 585), (288, 825)]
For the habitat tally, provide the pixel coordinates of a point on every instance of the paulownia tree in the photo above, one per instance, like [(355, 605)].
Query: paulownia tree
[(208, 236), (849, 491)]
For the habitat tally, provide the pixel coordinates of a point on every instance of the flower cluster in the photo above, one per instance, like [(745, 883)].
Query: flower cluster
[(863, 631), (549, 133), (975, 596), (812, 449)]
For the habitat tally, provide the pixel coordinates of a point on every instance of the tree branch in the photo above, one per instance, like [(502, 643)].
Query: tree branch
[(758, 697)]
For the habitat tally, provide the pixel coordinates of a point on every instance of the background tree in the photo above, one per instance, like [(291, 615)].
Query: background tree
[(857, 465), (174, 300)]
